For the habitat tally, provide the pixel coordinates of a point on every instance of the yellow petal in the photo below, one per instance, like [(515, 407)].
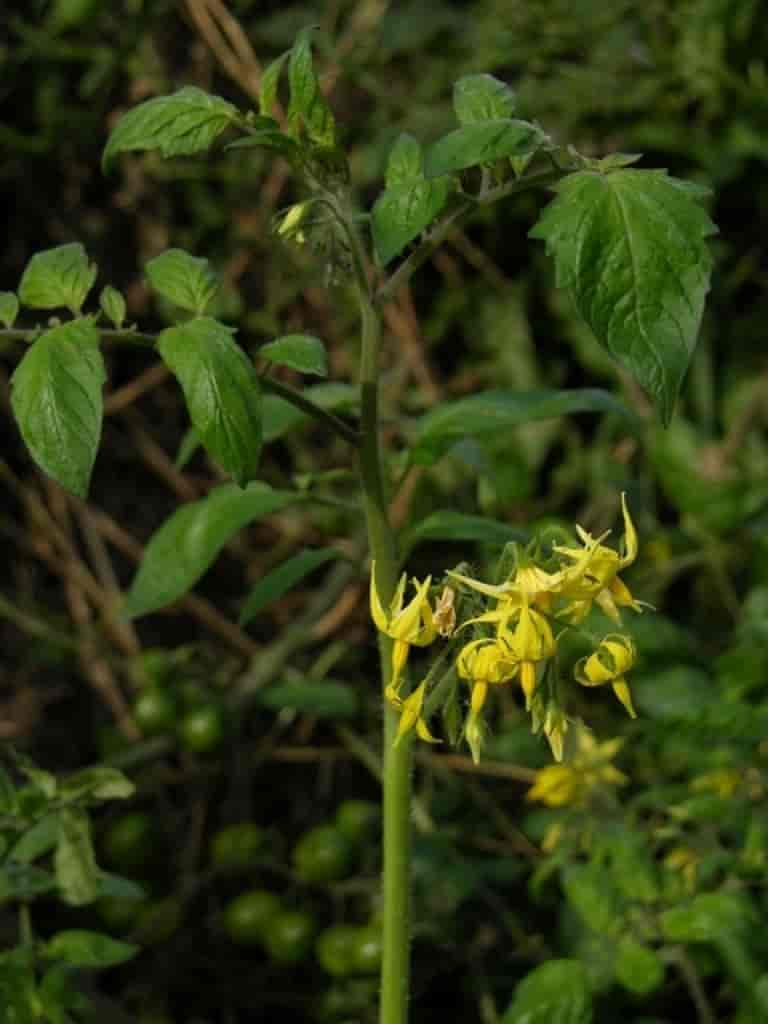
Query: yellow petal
[(400, 650), (484, 588), (479, 694), (621, 689), (422, 731), (528, 681), (411, 711), (630, 534), (406, 624)]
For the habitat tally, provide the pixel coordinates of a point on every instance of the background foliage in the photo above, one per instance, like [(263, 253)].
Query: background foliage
[(650, 906)]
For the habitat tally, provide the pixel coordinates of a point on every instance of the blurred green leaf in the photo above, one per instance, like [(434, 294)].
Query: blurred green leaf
[(181, 550), (556, 992), (81, 948), (482, 98), (301, 352), (638, 968), (707, 917), (9, 308), (402, 212), (74, 860), (445, 524), (307, 102), (280, 580), (113, 305), (324, 698), (186, 122), (37, 840), (681, 693), (222, 391), (187, 281), (590, 891), (100, 782), (630, 247), (280, 416), (58, 277), (23, 882), (57, 401)]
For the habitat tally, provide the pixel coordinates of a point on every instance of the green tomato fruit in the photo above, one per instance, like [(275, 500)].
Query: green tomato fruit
[(288, 940), (235, 847), (119, 914), (155, 712), (323, 854), (335, 949), (358, 820), (249, 917), (159, 921), (203, 729), (366, 952), (130, 842)]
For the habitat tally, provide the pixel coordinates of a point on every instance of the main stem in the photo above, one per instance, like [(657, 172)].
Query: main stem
[(393, 1007)]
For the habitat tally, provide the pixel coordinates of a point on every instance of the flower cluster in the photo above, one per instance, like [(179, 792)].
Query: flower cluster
[(515, 627)]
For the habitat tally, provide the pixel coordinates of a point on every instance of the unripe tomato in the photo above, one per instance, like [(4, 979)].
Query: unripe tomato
[(234, 848), (323, 854), (203, 729), (159, 921), (366, 951), (249, 916), (358, 820), (335, 949), (129, 842), (288, 939), (155, 711), (119, 914)]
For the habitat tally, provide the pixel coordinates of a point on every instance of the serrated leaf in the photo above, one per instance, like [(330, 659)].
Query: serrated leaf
[(56, 395), (405, 161), (80, 948), (9, 308), (187, 281), (186, 122), (707, 917), (280, 580), (222, 391), (480, 143), (307, 104), (324, 698), (482, 98), (59, 277), (113, 305), (187, 543), (301, 352), (280, 416), (77, 875), (492, 412), (270, 80), (556, 992), (629, 247), (638, 968), (402, 212), (445, 524)]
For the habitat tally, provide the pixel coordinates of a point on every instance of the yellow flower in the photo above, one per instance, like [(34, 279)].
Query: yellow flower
[(594, 573), (531, 641), (483, 663), (528, 585), (410, 716), (555, 727), (560, 784), (686, 861), (614, 656), (409, 625)]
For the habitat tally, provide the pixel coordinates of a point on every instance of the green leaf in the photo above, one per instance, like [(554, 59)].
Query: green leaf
[(638, 968), (189, 540), (186, 122), (81, 948), (100, 782), (556, 992), (42, 780), (707, 917), (113, 305), (402, 212), (184, 279), (445, 524), (590, 892), (23, 882), (74, 861), (490, 413), (629, 247), (280, 416), (480, 143), (9, 308), (405, 162), (57, 401), (222, 391), (482, 98), (119, 887), (189, 445), (280, 580), (677, 694), (267, 139), (270, 80), (37, 840), (324, 698), (307, 104), (301, 352), (58, 277)]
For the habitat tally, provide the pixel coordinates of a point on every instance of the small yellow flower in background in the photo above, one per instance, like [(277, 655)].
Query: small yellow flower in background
[(412, 624), (594, 574), (686, 861), (410, 716), (614, 657), (724, 782), (560, 784)]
